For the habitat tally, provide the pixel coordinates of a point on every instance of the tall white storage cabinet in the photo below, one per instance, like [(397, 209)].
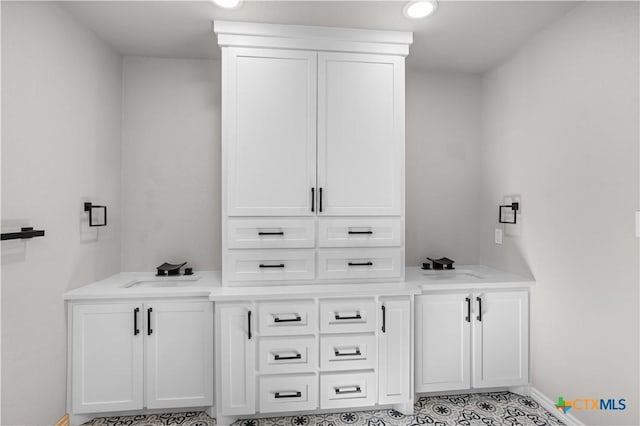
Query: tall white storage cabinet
[(313, 154)]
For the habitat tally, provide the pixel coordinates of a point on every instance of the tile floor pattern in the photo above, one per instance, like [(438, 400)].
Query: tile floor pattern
[(483, 409)]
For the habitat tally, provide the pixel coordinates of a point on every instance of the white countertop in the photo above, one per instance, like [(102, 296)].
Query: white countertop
[(465, 277), (132, 285)]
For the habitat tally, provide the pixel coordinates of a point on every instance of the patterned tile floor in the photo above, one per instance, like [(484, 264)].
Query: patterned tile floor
[(483, 409)]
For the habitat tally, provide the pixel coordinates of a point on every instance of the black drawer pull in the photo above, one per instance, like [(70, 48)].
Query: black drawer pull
[(340, 391), (384, 319), (249, 325), (356, 353), (313, 199), (280, 265), (296, 319), (288, 395), (280, 358), (271, 233), (356, 316), (136, 330), (360, 264), (360, 232)]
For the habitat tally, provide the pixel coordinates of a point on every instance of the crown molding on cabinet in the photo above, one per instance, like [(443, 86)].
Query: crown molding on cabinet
[(245, 34)]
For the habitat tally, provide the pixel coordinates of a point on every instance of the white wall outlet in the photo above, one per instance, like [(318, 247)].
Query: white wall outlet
[(512, 230), (498, 236)]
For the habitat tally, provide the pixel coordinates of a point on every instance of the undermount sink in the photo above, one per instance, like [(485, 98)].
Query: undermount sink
[(162, 282), (448, 275)]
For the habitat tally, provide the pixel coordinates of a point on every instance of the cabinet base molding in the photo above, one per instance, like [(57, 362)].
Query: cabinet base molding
[(550, 406), (520, 390)]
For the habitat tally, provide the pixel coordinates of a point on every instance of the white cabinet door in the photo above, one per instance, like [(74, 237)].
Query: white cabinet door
[(236, 352), (106, 364), (269, 136), (179, 354), (394, 374), (500, 339), (360, 134), (443, 342)]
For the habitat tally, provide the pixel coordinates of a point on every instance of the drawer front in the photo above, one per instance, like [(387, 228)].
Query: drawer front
[(348, 316), (270, 233), (288, 393), (347, 390), (274, 265), (287, 355), (359, 232), (348, 352), (359, 263), (286, 319)]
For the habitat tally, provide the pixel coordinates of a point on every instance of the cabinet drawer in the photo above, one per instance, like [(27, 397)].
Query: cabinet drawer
[(359, 232), (287, 355), (288, 393), (348, 316), (274, 265), (347, 390), (359, 263), (270, 233), (291, 318), (348, 352)]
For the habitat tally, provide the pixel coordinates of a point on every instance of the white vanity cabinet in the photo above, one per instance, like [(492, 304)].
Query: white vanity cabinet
[(130, 355), (473, 339), (312, 139), (295, 355)]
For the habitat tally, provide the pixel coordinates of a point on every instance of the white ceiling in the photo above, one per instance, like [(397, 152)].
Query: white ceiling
[(470, 36)]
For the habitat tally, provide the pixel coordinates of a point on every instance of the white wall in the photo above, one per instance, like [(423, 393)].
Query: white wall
[(442, 166), (61, 107), (560, 125), (170, 163)]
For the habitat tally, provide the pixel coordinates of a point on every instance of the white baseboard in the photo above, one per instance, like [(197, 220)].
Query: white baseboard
[(550, 406)]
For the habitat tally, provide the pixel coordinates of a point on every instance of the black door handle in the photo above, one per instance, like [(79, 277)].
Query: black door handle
[(288, 395), (271, 233), (149, 330), (279, 358), (479, 317), (360, 263), (468, 317), (280, 265), (136, 330), (313, 199), (384, 319), (320, 197), (360, 232), (356, 316), (296, 319), (249, 324)]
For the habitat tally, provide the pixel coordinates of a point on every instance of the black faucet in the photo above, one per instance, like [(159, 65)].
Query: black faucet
[(171, 269)]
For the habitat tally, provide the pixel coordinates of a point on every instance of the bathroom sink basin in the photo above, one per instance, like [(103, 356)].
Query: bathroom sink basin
[(162, 282), (452, 275)]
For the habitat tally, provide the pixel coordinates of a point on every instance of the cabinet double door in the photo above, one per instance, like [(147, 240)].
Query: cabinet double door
[(308, 133), (466, 340), (129, 356)]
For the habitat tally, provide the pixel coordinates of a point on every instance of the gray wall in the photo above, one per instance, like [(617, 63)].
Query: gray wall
[(560, 125), (171, 164), (61, 97)]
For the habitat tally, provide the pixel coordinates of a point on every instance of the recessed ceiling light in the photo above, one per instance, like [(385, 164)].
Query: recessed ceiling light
[(228, 4), (420, 9)]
